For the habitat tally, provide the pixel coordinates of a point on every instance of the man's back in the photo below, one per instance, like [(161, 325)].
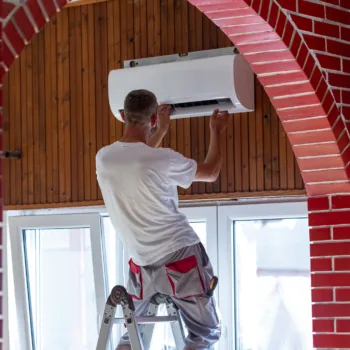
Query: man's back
[(139, 187)]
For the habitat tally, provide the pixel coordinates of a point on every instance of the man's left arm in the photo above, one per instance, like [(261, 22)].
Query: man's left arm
[(163, 126)]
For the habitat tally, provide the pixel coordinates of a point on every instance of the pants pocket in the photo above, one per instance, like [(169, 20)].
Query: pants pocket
[(135, 285), (185, 278)]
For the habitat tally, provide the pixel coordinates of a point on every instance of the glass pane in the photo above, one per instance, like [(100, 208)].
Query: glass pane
[(61, 288), (273, 285), (117, 272)]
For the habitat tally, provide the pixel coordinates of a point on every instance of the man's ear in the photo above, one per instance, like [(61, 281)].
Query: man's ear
[(154, 120), (122, 115)]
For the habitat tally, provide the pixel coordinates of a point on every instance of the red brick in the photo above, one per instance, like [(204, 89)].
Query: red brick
[(304, 112), (24, 23), (296, 101), (322, 149), (303, 23), (264, 10), (253, 28), (337, 15), (281, 23), (306, 125), (338, 48), (321, 294), (319, 163), (324, 175), (283, 78), (323, 325), (329, 62), (331, 341), (330, 218), (339, 80), (321, 264), (302, 55), (330, 310), (341, 202), (329, 248), (295, 45), (328, 102), (14, 38), (343, 142), (341, 233), (311, 137), (2, 72), (346, 112), (262, 47), (256, 5), (215, 16), (50, 8), (321, 90), (254, 38), (205, 2), (333, 2), (345, 4), (239, 21), (311, 9), (273, 15), (316, 78), (36, 12), (288, 33), (309, 65), (327, 29), (275, 68), (343, 326), (6, 9), (345, 34), (320, 234), (288, 4), (269, 57), (337, 95), (328, 188), (289, 89), (346, 96), (8, 56), (338, 127), (342, 294), (342, 264), (218, 6)]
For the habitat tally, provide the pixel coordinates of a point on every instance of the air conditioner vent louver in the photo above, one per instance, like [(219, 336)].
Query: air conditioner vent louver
[(200, 103)]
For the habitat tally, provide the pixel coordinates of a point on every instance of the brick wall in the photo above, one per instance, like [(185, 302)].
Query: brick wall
[(300, 51)]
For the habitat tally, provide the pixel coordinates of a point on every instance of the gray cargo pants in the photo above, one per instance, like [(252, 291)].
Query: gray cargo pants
[(184, 276)]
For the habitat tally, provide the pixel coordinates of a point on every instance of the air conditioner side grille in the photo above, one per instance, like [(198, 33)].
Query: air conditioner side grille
[(200, 103)]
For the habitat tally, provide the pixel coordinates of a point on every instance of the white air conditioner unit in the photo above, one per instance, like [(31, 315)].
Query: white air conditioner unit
[(194, 84)]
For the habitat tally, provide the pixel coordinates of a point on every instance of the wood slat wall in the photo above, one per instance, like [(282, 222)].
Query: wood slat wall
[(56, 106)]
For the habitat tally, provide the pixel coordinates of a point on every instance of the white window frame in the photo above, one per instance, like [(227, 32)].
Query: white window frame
[(16, 226), (227, 215)]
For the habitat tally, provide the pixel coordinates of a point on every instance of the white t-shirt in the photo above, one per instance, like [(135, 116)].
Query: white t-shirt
[(139, 188)]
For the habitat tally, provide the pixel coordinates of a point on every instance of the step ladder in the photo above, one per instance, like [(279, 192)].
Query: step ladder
[(119, 296)]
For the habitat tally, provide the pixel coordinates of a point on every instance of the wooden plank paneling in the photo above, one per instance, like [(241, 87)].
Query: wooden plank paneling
[(56, 107)]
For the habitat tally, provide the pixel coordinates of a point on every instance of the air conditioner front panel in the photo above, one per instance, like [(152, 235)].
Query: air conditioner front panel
[(202, 79)]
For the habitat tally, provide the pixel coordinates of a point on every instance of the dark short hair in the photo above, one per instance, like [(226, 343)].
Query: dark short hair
[(139, 107)]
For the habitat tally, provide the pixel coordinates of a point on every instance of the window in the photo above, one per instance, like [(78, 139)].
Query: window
[(64, 265), (61, 286), (269, 251)]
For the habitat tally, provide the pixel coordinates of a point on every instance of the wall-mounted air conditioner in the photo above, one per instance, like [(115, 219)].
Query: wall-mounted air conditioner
[(194, 84)]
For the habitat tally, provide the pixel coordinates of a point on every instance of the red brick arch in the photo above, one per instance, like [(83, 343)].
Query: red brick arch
[(300, 52)]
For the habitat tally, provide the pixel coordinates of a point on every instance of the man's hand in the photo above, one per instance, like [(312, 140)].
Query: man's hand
[(163, 114), (219, 121)]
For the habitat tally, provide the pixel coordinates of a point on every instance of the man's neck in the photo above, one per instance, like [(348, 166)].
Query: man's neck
[(135, 134)]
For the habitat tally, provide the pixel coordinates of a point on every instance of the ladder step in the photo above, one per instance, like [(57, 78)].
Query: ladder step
[(149, 319)]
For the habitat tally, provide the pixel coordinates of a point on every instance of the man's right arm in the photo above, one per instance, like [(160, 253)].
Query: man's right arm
[(210, 169)]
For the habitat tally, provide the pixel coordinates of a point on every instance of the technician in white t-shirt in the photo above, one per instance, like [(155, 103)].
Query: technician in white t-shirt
[(139, 183)]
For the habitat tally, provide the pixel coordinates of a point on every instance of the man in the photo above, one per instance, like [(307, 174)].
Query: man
[(139, 183)]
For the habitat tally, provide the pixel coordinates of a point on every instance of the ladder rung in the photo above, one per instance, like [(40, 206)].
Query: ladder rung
[(149, 319)]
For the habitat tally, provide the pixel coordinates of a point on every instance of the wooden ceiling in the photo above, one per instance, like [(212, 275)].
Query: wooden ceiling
[(57, 113)]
